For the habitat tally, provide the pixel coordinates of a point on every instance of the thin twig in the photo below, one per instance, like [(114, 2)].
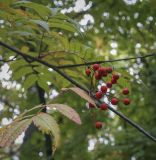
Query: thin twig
[(106, 61), (40, 46), (9, 60), (81, 87)]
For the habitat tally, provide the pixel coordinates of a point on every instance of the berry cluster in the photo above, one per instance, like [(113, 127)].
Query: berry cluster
[(96, 73)]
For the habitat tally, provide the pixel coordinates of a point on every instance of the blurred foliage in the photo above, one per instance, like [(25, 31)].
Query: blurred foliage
[(70, 32)]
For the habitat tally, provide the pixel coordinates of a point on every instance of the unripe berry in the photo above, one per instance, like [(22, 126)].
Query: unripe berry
[(103, 89), (114, 101), (115, 76), (109, 70), (125, 91), (98, 95), (96, 67), (109, 84), (113, 81), (91, 105), (126, 101), (97, 76), (88, 71), (98, 125), (103, 106), (102, 71)]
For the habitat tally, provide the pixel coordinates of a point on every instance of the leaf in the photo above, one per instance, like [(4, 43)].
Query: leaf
[(9, 133), (21, 72), (81, 93), (41, 10), (124, 83), (29, 81), (67, 111), (21, 33), (7, 2), (43, 24), (42, 82), (25, 49), (63, 25), (48, 125), (124, 73), (18, 64)]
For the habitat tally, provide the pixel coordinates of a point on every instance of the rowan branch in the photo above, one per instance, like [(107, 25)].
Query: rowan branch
[(81, 87)]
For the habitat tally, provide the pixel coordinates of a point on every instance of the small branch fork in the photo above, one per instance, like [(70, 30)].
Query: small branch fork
[(82, 87)]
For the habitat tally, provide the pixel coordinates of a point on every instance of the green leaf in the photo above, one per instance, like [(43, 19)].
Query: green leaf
[(63, 25), (124, 73), (74, 24), (48, 125), (9, 133), (6, 2), (69, 112), (21, 33), (42, 82), (21, 72), (44, 73), (124, 83), (81, 93), (18, 64), (41, 10), (29, 81), (43, 24)]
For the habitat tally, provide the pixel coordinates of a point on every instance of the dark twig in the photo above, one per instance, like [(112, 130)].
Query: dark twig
[(81, 87), (105, 61), (9, 60)]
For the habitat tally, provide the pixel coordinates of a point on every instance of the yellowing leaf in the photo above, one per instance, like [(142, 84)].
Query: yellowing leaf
[(48, 125), (67, 111), (81, 93), (25, 49), (9, 133)]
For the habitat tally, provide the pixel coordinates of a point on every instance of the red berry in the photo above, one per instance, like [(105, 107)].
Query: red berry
[(103, 89), (105, 74), (91, 105), (126, 101), (98, 125), (113, 81), (109, 84), (96, 67), (115, 76), (103, 106), (109, 70), (88, 71), (98, 95), (97, 76), (102, 71), (125, 91), (114, 101)]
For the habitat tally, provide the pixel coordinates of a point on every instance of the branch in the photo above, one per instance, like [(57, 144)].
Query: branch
[(105, 61), (9, 60), (48, 141), (25, 56), (81, 87)]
